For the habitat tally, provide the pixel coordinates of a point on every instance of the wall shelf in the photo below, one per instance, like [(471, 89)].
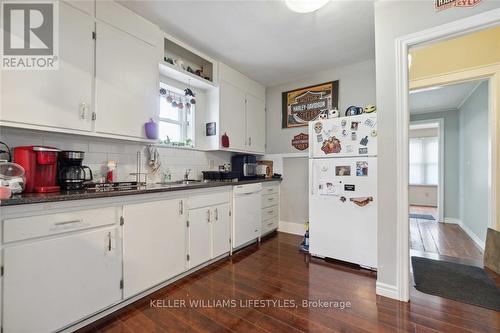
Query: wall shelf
[(190, 79)]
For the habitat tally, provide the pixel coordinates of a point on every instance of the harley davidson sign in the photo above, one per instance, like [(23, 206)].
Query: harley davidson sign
[(302, 105), (301, 141), (445, 4)]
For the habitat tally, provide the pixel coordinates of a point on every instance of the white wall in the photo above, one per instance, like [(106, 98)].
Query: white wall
[(423, 195), (474, 163), (294, 200), (98, 151), (356, 87), (394, 19)]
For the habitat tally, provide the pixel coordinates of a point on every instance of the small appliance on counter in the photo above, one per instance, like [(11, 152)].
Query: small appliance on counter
[(40, 166), (220, 176), (12, 177), (71, 173), (244, 165)]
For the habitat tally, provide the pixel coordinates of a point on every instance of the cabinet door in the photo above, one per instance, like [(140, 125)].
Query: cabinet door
[(199, 236), (154, 244), (54, 282), (232, 115), (126, 82), (256, 124), (56, 98), (220, 230)]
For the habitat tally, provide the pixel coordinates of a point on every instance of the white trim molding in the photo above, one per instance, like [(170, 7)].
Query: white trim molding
[(402, 46), (387, 290), (292, 228)]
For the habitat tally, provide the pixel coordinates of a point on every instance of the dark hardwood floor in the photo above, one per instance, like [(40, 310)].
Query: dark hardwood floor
[(278, 271)]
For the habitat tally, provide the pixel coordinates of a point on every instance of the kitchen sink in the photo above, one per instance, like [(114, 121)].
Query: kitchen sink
[(184, 182)]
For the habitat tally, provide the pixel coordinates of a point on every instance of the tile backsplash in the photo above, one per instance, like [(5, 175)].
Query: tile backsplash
[(99, 150)]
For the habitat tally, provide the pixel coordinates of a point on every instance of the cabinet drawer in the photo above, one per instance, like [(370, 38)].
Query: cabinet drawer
[(270, 189), (269, 200), (269, 225), (205, 200), (52, 224), (269, 212)]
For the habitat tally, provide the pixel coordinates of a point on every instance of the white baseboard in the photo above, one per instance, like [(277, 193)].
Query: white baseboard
[(387, 290), (467, 230), (292, 228), (452, 220)]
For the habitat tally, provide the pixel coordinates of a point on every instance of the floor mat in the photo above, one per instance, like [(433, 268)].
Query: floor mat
[(422, 216), (459, 282)]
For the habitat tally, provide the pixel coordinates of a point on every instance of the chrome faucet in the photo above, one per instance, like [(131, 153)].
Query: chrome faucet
[(186, 174)]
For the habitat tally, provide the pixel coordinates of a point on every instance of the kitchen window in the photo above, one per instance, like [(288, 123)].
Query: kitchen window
[(424, 161), (176, 117)]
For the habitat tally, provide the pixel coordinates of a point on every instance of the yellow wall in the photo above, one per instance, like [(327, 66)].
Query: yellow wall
[(449, 60), (472, 50)]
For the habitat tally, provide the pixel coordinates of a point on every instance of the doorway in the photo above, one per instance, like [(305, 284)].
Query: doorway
[(489, 72), (448, 171)]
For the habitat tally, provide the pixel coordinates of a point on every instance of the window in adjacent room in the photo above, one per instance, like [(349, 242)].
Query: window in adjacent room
[(424, 161), (176, 117)]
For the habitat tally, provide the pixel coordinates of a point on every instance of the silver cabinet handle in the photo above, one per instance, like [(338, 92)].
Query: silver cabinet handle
[(109, 241), (208, 215), (249, 141), (216, 214), (83, 110), (270, 199), (181, 208)]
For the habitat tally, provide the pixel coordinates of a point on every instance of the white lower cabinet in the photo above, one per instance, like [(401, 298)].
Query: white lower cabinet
[(154, 238), (209, 232), (53, 282), (199, 236)]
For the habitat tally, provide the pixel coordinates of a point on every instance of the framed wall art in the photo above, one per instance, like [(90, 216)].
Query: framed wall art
[(300, 106)]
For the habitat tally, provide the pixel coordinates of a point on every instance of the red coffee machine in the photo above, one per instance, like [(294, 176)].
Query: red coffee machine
[(40, 165)]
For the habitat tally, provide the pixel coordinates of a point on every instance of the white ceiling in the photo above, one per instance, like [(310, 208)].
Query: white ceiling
[(264, 39), (444, 98)]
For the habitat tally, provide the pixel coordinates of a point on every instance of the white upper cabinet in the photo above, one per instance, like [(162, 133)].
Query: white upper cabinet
[(126, 82), (88, 6), (55, 98), (241, 110), (232, 115), (255, 124)]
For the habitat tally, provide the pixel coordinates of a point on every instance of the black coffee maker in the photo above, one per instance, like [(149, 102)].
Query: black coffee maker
[(71, 173)]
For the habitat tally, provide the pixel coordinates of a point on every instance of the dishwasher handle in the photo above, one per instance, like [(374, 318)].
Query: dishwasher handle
[(242, 194)]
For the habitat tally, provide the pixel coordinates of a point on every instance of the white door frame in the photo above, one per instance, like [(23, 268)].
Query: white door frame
[(402, 46), (440, 122)]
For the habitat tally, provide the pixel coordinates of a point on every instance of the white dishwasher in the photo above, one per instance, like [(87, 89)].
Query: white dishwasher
[(247, 213)]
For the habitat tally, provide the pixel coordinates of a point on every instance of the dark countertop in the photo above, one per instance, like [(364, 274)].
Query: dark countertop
[(32, 198)]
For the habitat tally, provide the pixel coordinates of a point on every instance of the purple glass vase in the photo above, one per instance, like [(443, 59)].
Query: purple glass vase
[(152, 130)]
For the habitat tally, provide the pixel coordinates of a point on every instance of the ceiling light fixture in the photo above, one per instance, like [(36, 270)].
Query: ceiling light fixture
[(305, 6)]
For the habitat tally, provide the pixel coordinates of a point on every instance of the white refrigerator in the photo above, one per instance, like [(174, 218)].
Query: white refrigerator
[(343, 189)]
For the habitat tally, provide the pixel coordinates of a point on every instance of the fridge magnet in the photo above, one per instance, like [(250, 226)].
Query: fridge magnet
[(370, 122), (343, 123), (353, 111), (225, 140), (211, 129), (323, 115), (334, 113), (354, 136), (373, 133), (319, 138), (343, 170), (318, 127), (349, 187), (364, 141), (362, 201), (300, 106), (300, 141), (363, 151), (370, 108), (361, 168), (344, 132), (343, 199), (331, 146), (349, 149), (354, 125), (331, 189)]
